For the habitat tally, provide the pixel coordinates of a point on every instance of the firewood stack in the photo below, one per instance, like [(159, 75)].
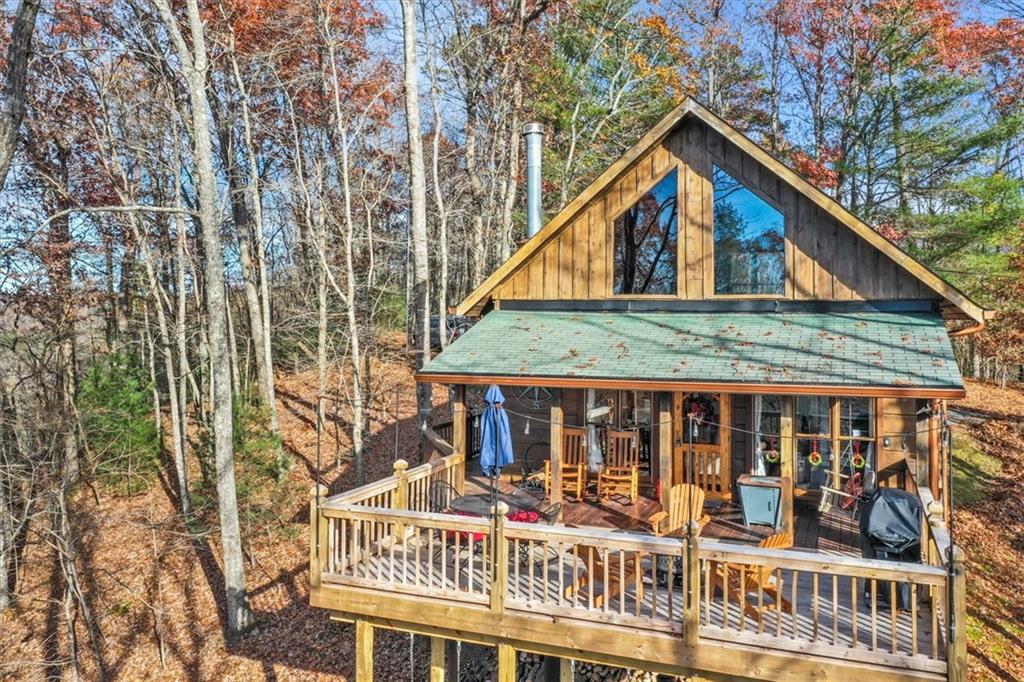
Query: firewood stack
[(480, 663)]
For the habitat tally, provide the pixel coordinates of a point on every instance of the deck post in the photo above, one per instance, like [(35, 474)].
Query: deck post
[(499, 553), (557, 420), (956, 655), (437, 656), (401, 498), (459, 435), (565, 672), (364, 651), (788, 444), (934, 456), (506, 663), (317, 534), (691, 559)]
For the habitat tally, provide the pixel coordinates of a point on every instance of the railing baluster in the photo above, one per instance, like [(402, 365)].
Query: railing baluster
[(892, 613), (853, 611), (794, 594), (874, 614), (742, 597), (814, 604), (725, 594), (913, 619), (835, 609)]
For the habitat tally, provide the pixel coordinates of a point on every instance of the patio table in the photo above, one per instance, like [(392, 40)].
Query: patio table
[(480, 504)]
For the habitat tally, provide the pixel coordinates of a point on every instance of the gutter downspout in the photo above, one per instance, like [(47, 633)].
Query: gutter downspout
[(969, 331)]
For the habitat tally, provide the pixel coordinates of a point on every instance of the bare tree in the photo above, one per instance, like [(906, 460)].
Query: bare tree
[(417, 205), (13, 108), (194, 65)]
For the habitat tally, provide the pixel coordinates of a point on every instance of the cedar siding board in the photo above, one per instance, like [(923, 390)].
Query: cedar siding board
[(825, 260)]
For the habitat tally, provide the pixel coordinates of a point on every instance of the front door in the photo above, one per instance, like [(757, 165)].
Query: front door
[(702, 456)]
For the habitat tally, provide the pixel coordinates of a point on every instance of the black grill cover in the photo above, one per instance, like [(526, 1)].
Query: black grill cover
[(890, 522)]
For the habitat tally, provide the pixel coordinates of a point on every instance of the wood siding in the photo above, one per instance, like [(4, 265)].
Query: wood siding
[(824, 259)]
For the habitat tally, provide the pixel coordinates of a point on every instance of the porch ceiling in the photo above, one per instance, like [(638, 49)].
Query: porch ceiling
[(852, 353)]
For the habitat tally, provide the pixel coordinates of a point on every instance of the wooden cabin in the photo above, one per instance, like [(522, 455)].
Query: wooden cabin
[(703, 321)]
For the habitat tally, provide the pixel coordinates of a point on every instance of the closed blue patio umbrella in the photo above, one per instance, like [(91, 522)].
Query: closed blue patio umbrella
[(495, 435)]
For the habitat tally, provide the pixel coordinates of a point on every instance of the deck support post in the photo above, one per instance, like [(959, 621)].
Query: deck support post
[(787, 442), (565, 672), (317, 534), (459, 435), (934, 456), (364, 651), (557, 420), (506, 663), (956, 657), (437, 659)]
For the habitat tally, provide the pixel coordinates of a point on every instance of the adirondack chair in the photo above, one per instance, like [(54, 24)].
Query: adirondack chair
[(620, 474), (603, 567), (739, 580), (574, 463), (685, 502)]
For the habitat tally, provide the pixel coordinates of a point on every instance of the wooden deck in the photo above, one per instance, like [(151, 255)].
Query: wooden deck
[(833, 532), (599, 586), (830, 614)]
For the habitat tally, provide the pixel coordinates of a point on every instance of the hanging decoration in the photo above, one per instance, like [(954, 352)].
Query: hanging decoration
[(771, 455), (858, 460), (815, 459)]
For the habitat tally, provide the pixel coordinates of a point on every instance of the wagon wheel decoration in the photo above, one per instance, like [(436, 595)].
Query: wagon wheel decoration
[(533, 396)]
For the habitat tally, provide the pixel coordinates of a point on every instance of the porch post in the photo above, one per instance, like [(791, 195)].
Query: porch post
[(459, 438), (557, 420), (788, 464), (665, 473), (934, 464)]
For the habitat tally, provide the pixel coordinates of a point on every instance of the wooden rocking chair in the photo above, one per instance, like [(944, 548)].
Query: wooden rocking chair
[(738, 580), (685, 502), (620, 474), (574, 463)]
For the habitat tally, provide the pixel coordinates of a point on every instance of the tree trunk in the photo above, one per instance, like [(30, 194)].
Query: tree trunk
[(13, 109), (194, 61), (263, 345), (418, 206)]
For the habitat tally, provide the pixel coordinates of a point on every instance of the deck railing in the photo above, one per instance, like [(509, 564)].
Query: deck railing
[(900, 615), (828, 605)]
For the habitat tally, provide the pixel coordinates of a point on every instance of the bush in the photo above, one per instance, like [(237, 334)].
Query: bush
[(261, 472), (115, 403)]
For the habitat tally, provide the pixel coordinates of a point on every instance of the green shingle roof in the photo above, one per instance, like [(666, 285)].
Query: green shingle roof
[(862, 349)]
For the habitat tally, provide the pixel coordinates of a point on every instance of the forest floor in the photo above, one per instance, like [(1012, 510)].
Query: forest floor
[(156, 593)]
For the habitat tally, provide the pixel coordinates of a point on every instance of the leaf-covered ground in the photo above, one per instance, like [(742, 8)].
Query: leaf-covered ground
[(989, 524), (148, 582)]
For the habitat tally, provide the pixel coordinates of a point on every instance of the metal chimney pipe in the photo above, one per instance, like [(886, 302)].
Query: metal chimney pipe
[(534, 134)]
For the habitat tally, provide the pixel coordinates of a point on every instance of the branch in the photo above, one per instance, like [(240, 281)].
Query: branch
[(118, 209)]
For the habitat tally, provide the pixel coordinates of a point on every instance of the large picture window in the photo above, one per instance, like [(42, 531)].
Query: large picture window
[(750, 247), (645, 242)]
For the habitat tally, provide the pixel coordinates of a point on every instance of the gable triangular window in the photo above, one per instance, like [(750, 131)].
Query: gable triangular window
[(645, 242), (750, 245)]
